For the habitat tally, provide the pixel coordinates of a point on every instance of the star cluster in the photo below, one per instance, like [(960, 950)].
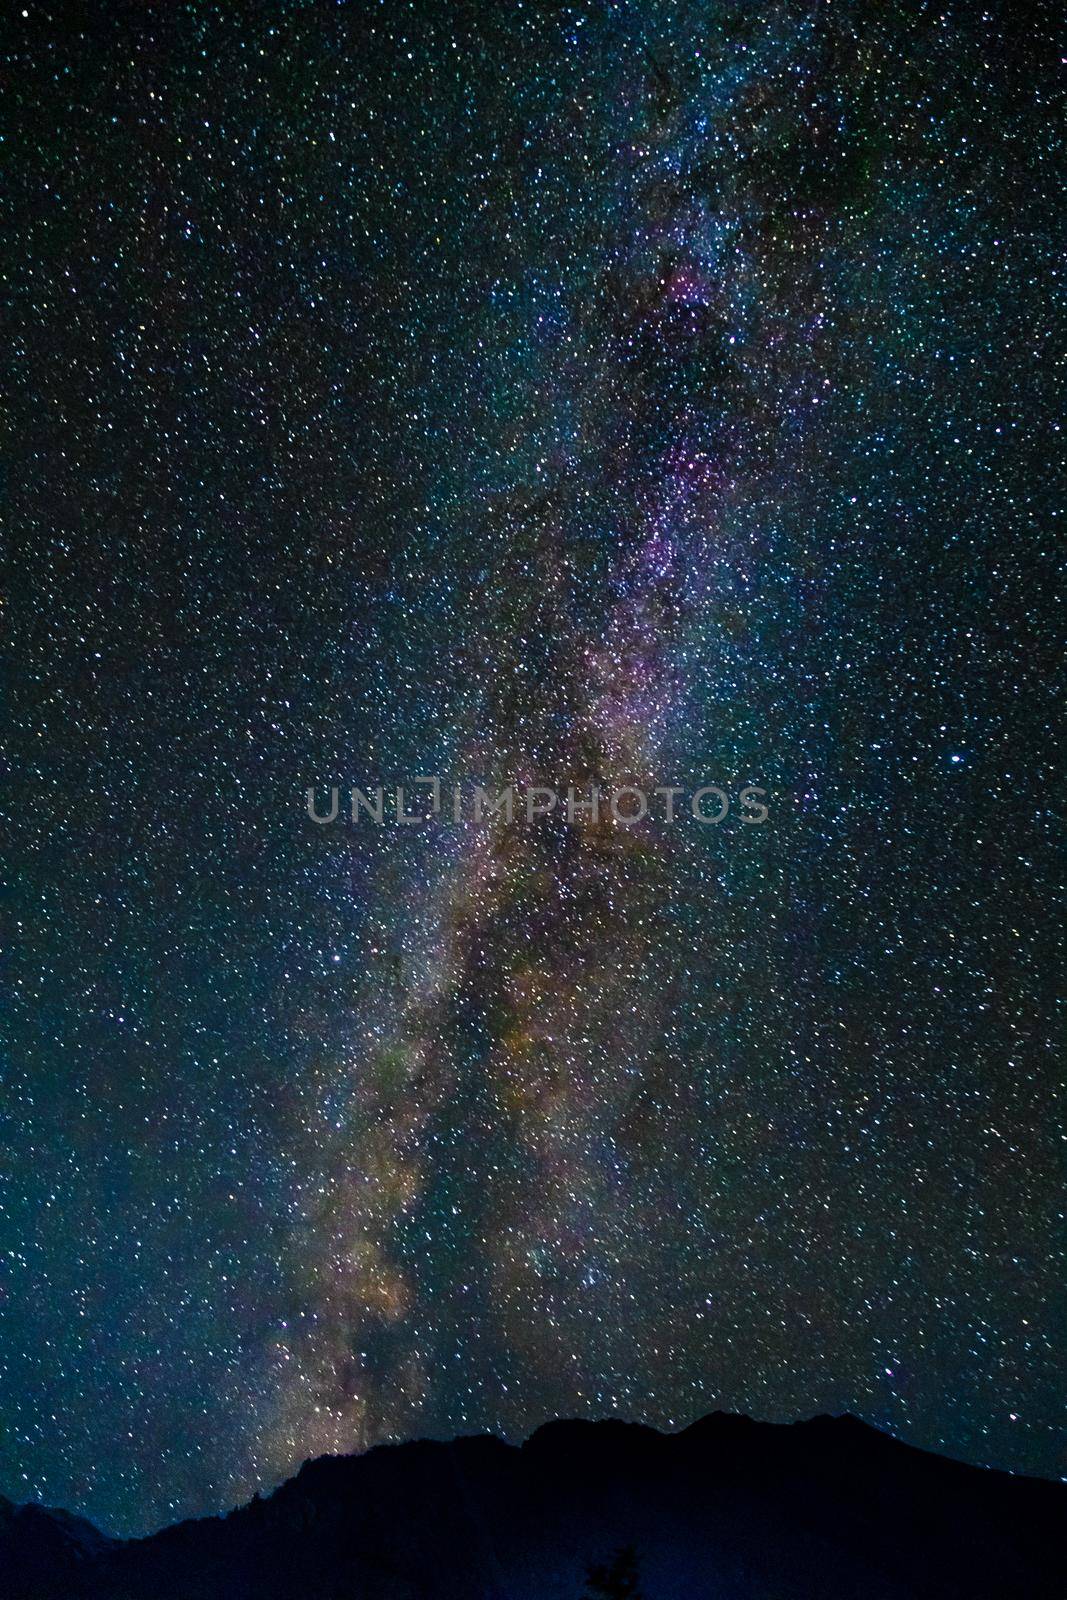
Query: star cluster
[(625, 392)]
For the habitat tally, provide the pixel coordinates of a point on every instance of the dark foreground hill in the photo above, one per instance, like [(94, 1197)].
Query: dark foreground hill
[(728, 1510)]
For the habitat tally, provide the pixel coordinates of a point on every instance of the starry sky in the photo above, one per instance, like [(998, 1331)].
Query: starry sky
[(626, 391)]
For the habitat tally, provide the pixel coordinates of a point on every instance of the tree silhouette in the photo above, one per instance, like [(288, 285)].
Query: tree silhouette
[(615, 1581)]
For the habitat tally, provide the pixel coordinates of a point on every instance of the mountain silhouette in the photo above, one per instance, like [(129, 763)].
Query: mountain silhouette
[(729, 1509)]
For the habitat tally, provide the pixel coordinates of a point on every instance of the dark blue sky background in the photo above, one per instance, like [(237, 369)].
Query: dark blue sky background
[(631, 391)]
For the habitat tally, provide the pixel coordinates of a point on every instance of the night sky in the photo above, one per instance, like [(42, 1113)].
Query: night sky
[(641, 392)]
